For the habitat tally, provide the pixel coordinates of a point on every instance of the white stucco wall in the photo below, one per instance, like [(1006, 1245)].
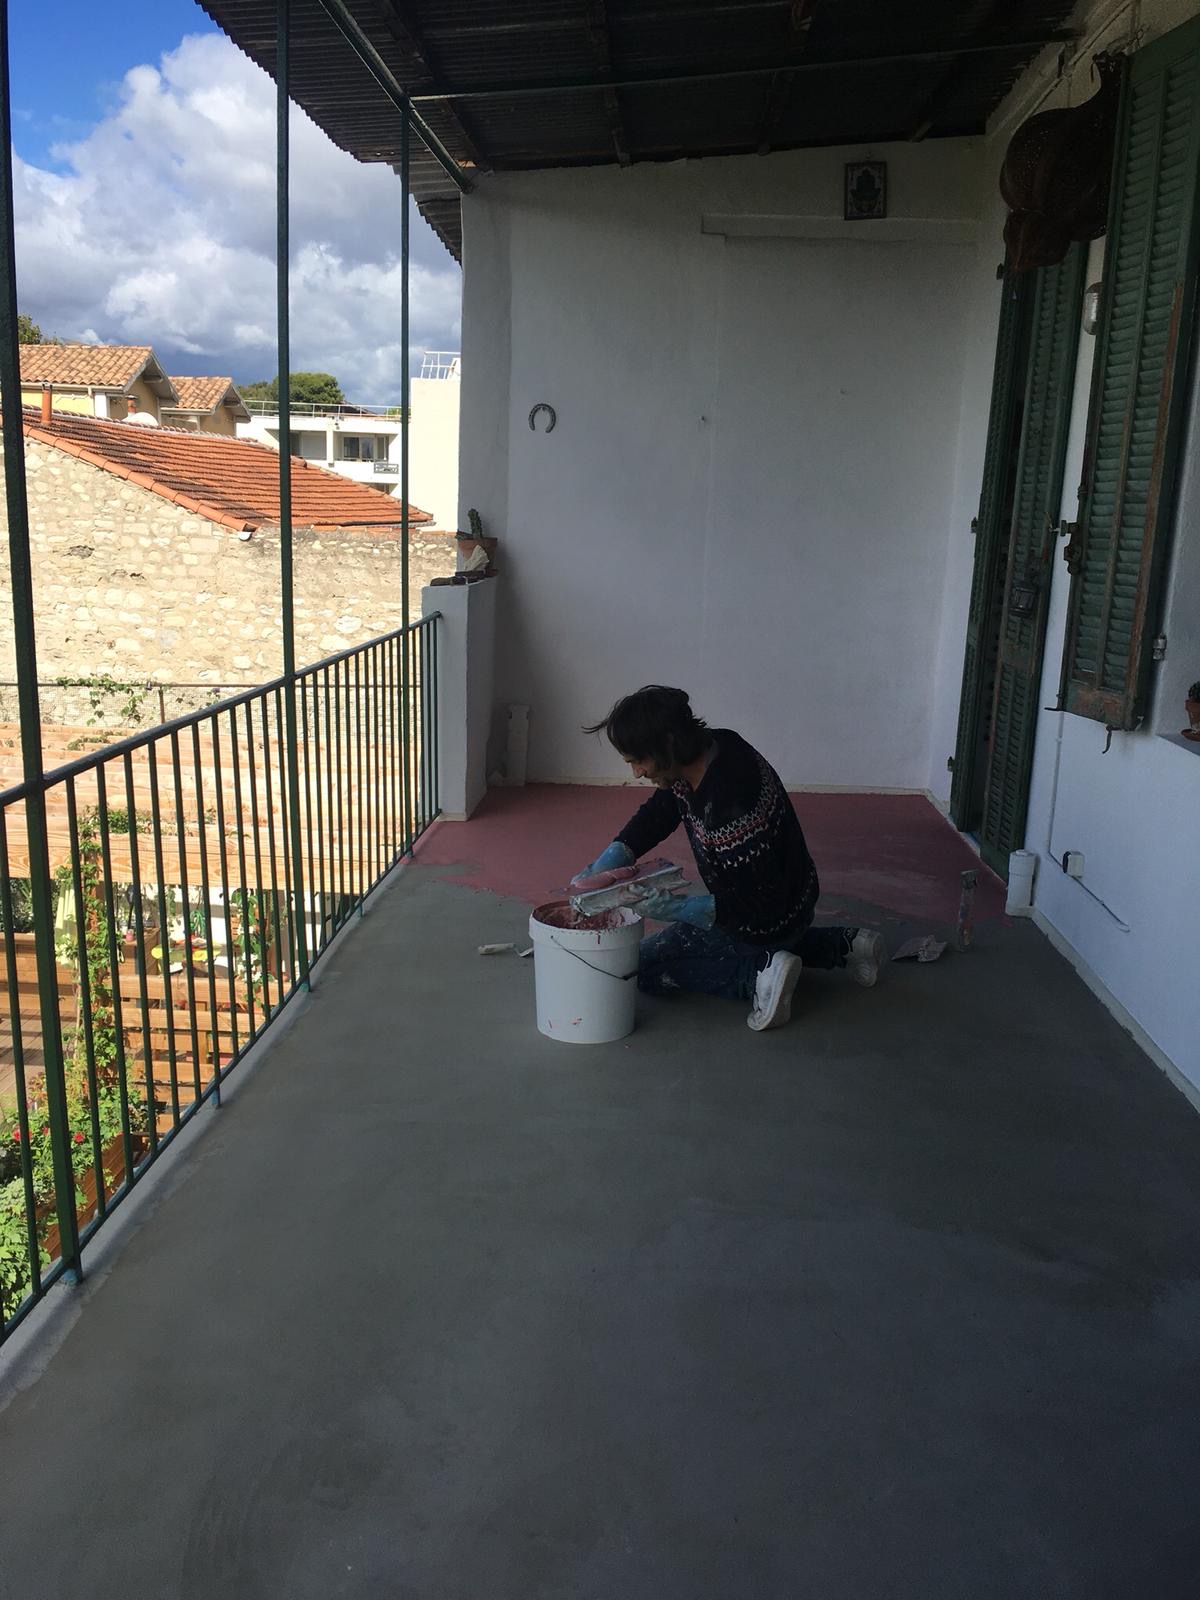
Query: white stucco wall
[(1133, 922), (748, 488), (433, 449)]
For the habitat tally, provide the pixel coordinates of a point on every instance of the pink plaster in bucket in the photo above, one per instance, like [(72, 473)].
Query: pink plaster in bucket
[(559, 915)]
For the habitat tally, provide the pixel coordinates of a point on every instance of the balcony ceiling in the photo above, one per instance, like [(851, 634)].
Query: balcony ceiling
[(543, 83)]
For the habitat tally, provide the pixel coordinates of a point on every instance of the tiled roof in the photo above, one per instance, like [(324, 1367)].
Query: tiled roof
[(200, 394), (230, 481), (98, 366)]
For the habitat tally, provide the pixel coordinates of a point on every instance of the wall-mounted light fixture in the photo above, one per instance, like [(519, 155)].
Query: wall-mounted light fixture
[(1091, 307)]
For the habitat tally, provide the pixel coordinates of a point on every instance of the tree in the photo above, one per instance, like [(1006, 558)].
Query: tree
[(28, 332), (306, 388)]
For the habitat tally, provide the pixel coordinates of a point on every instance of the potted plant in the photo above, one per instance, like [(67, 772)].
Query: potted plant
[(1192, 706)]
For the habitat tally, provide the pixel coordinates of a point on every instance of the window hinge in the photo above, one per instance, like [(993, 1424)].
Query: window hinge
[(975, 526), (949, 763), (1158, 650)]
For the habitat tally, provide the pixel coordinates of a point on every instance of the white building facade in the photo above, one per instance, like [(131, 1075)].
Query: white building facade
[(363, 442)]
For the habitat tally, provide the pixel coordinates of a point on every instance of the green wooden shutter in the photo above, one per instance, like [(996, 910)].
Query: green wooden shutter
[(989, 530), (1138, 394), (1050, 380)]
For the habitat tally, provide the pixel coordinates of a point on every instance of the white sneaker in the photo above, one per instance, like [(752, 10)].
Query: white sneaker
[(773, 992), (865, 957)]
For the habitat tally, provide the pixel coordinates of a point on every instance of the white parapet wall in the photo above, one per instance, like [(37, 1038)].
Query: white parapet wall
[(466, 649)]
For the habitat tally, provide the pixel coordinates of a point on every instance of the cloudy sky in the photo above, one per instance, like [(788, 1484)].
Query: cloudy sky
[(145, 172)]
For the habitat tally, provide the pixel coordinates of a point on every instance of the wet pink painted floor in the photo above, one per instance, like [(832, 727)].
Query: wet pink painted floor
[(895, 852)]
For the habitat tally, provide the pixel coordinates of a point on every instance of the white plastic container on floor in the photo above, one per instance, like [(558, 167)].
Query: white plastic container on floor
[(585, 977), (1021, 867)]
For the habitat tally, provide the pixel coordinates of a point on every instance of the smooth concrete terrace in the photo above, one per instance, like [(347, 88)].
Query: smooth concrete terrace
[(902, 1300)]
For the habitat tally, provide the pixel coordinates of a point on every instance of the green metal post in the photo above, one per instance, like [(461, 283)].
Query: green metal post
[(282, 245), (25, 641), (405, 403)]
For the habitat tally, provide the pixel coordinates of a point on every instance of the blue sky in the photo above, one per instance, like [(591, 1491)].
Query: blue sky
[(92, 46), (144, 186)]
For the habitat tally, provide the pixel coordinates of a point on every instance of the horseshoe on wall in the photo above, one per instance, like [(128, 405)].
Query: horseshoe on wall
[(550, 412)]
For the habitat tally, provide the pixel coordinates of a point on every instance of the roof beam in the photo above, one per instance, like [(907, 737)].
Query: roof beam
[(597, 27), (392, 90), (526, 89), (947, 86), (408, 35), (442, 31), (800, 23)]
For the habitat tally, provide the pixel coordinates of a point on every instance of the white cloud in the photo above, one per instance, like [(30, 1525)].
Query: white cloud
[(160, 229)]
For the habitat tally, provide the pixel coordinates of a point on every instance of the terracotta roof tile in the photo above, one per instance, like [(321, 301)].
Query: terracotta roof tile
[(230, 481), (200, 394), (103, 366)]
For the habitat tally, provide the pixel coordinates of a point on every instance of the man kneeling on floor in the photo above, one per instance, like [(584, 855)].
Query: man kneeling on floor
[(751, 934)]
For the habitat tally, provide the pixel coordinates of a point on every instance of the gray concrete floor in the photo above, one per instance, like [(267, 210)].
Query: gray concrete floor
[(902, 1301)]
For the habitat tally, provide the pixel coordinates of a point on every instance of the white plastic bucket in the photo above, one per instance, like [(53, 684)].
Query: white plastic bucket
[(1021, 866), (585, 978)]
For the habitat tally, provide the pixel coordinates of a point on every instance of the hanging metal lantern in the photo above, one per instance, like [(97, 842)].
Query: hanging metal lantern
[(1056, 174)]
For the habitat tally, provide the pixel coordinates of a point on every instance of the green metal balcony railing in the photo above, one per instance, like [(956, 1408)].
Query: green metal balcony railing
[(183, 921), (163, 898)]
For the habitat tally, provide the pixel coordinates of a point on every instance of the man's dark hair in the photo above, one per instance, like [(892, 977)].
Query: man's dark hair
[(656, 724)]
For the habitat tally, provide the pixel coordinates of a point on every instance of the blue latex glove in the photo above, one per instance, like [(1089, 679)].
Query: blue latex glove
[(700, 910), (617, 855)]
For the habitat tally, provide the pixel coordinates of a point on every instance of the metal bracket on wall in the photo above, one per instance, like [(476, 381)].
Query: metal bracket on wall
[(1158, 650), (550, 412)]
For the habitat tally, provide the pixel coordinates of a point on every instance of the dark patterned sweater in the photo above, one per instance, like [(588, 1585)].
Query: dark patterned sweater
[(747, 839)]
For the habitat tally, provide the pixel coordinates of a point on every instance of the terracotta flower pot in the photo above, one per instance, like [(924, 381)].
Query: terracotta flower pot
[(1192, 707)]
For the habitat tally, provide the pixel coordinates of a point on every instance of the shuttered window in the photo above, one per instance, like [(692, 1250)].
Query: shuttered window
[(991, 530), (1037, 495), (1136, 417)]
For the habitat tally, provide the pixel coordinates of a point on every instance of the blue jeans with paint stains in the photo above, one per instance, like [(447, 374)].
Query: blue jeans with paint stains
[(707, 961)]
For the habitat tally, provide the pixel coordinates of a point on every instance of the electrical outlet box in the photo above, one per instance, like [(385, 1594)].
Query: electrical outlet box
[(1073, 863)]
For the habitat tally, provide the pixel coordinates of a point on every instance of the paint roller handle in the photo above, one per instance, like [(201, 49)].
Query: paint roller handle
[(617, 855)]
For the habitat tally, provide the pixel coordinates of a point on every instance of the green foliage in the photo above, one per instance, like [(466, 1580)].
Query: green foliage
[(21, 894), (305, 388), (94, 1086), (28, 332), (102, 689), (15, 1279)]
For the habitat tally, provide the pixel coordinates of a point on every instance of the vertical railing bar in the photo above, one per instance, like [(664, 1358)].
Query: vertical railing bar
[(376, 768), (164, 932), (83, 979), (339, 715), (33, 1245), (294, 874), (425, 720), (139, 929), (436, 634), (227, 909), (189, 970), (259, 917), (389, 651), (243, 876), (114, 967), (358, 783), (316, 885), (25, 653), (405, 440), (275, 926), (319, 740), (210, 949)]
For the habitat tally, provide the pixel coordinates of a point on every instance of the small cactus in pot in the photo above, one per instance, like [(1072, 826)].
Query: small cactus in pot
[(1192, 706)]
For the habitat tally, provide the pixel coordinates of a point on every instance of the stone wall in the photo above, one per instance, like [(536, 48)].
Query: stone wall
[(131, 587)]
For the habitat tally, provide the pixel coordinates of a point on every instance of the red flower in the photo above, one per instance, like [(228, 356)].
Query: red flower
[(16, 1133), (45, 1131), (79, 1138)]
